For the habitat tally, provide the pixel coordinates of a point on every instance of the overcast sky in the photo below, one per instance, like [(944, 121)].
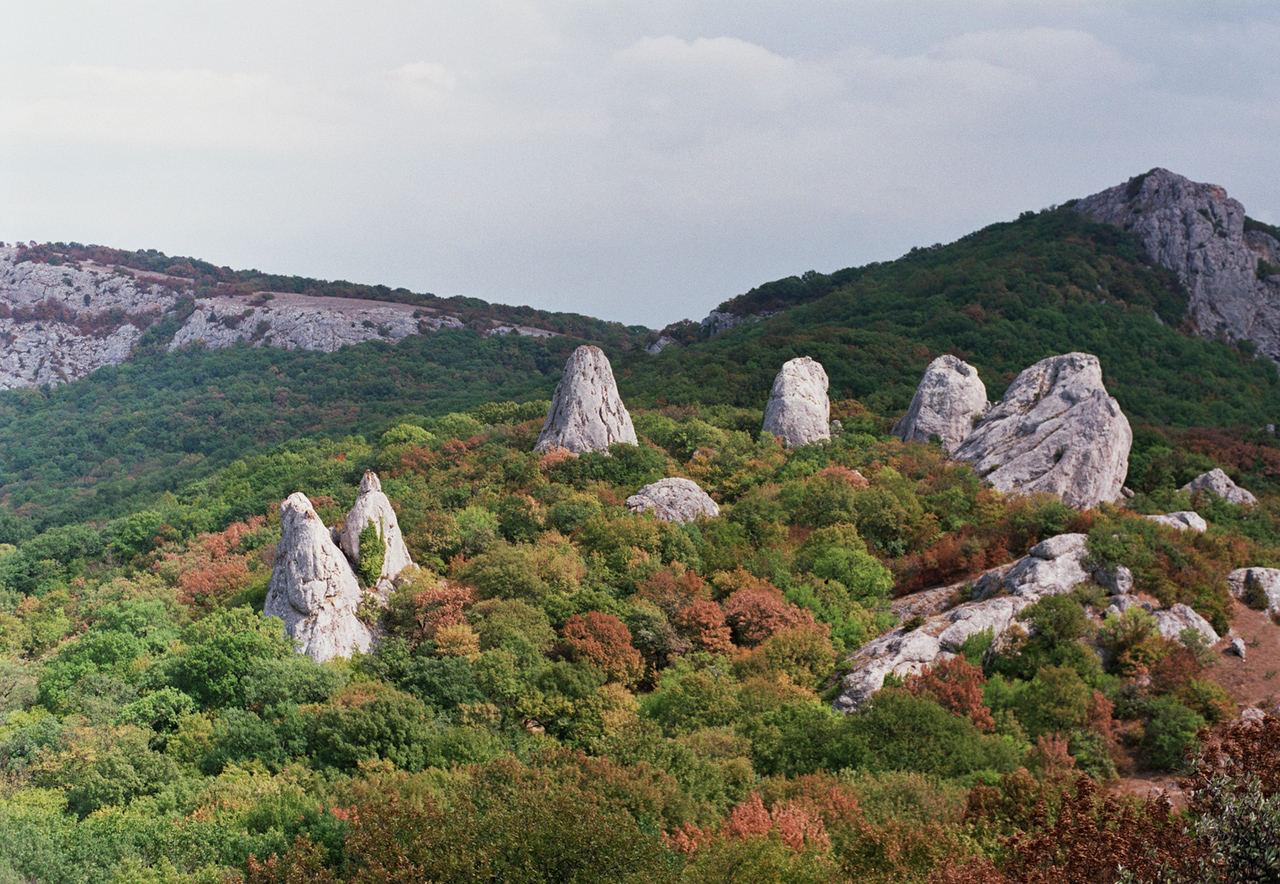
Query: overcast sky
[(637, 161)]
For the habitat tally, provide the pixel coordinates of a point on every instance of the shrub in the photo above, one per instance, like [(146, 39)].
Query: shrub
[(1169, 734)]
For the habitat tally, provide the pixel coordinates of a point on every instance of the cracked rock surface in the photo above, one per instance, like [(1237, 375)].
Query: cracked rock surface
[(798, 411), (947, 401), (1055, 431), (674, 500), (313, 589), (586, 412)]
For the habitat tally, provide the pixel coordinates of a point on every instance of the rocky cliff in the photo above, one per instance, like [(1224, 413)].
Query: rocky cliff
[(60, 322), (1198, 232)]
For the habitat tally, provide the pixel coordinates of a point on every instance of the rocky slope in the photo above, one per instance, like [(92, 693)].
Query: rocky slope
[(58, 323), (1198, 232)]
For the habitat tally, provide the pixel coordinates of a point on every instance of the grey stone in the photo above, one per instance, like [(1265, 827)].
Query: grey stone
[(673, 500), (1055, 431), (1116, 579), (1172, 622), (1197, 231), (662, 343), (717, 323), (1219, 483), (586, 412), (373, 507), (947, 401), (1237, 647), (1267, 580), (313, 589), (798, 411), (1182, 520)]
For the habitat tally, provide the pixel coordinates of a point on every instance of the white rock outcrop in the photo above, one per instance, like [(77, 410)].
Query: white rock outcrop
[(1261, 582), (946, 404), (1217, 482), (1172, 622), (1055, 431), (1052, 567), (1182, 520), (1197, 231), (674, 500), (313, 589), (798, 411), (586, 412), (373, 507)]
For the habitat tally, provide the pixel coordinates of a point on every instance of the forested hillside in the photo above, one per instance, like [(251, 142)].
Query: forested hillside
[(566, 691)]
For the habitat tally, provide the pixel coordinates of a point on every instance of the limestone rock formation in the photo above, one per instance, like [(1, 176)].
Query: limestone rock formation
[(1052, 567), (1257, 587), (673, 500), (1182, 520), (313, 589), (373, 507), (64, 321), (947, 402), (1217, 482), (1197, 231), (586, 412), (1115, 579), (1172, 622), (1057, 431), (717, 323), (799, 411)]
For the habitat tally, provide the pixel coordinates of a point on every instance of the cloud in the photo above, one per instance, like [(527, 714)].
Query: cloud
[(159, 108)]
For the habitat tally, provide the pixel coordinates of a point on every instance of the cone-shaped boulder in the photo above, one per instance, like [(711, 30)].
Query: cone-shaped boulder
[(798, 411), (949, 398), (586, 413), (373, 508), (1057, 431), (313, 589)]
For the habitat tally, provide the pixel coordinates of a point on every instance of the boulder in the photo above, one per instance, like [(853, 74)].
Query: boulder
[(798, 411), (313, 589), (1053, 568), (1115, 579), (1217, 482), (1197, 231), (950, 398), (586, 412), (1237, 647), (1055, 431), (1172, 622), (717, 323), (673, 500), (373, 507), (1183, 520), (1256, 587)]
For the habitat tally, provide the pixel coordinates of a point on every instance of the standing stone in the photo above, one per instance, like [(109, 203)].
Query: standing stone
[(1056, 431), (798, 411), (949, 398), (373, 507), (673, 500), (586, 413), (313, 589), (1217, 482)]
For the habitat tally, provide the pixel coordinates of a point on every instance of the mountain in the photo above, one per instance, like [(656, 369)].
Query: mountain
[(567, 686)]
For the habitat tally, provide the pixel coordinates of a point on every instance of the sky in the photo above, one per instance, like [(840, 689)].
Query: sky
[(636, 161)]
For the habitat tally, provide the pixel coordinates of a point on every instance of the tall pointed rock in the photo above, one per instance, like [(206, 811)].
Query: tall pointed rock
[(799, 411), (586, 413), (373, 508), (313, 589), (949, 398)]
